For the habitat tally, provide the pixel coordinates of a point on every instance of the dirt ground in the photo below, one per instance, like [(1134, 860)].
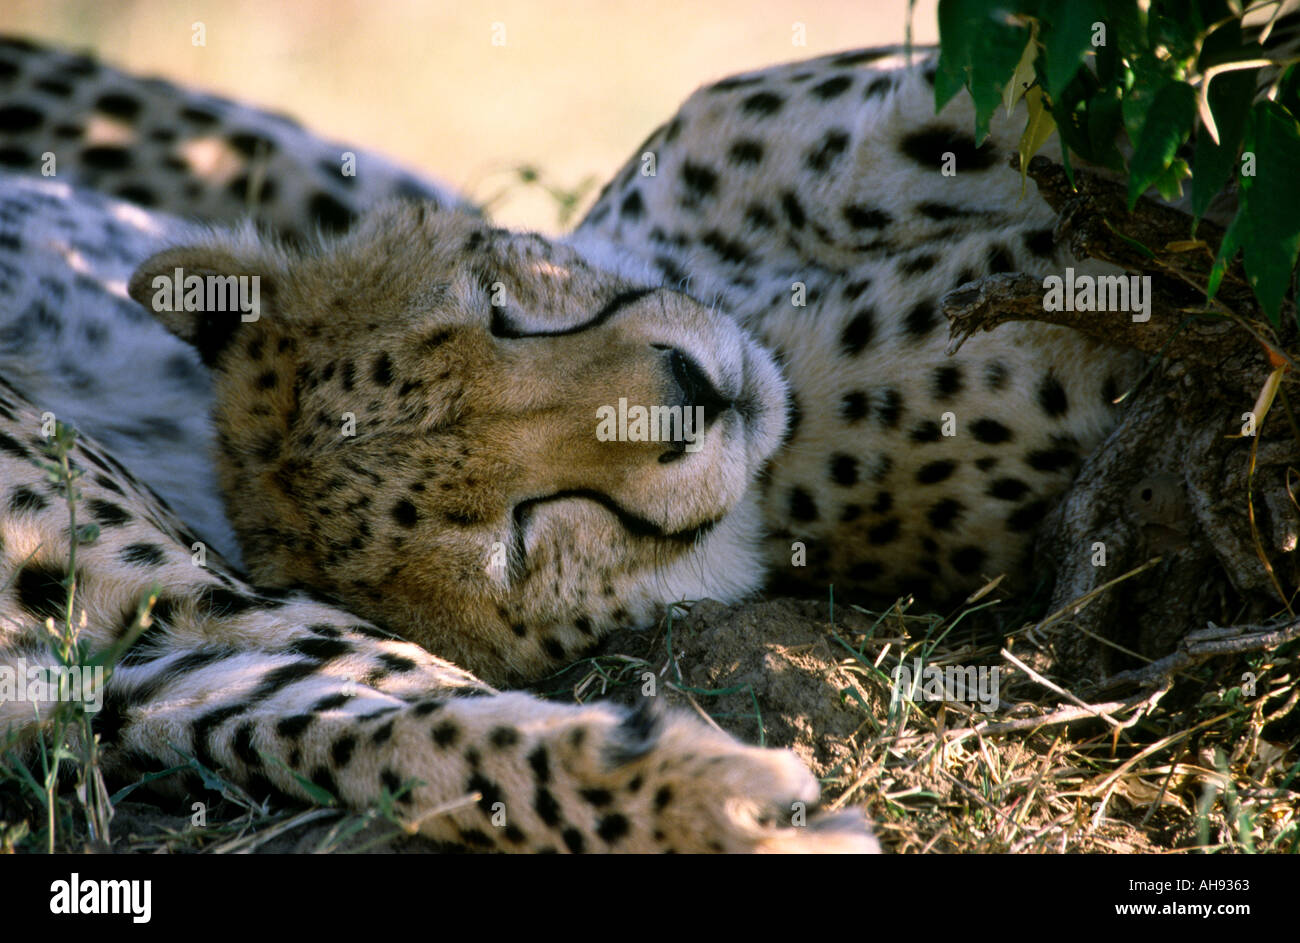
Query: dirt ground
[(797, 674)]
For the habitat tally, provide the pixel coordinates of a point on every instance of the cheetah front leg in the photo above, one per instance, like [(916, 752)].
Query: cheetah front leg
[(546, 777)]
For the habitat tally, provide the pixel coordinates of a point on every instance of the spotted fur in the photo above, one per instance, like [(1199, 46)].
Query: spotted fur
[(197, 155), (408, 429), (826, 179)]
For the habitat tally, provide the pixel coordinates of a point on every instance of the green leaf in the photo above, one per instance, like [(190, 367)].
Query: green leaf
[(1148, 79), (1024, 76), (979, 48), (954, 52), (1168, 124), (1126, 28), (1267, 225), (1088, 118), (319, 795), (1229, 95), (145, 780), (1288, 92), (1067, 40), (1038, 128), (1174, 28)]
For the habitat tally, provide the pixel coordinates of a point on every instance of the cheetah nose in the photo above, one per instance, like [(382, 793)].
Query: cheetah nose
[(695, 386)]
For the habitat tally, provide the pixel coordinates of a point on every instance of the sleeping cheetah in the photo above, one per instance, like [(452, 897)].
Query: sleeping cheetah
[(408, 430)]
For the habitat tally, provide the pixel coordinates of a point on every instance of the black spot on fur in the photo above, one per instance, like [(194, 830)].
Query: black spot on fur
[(18, 119), (828, 151), (503, 737), (852, 290), (398, 664), (921, 320), (279, 678), (445, 733), (323, 649), (762, 104), (944, 514), (793, 210), (967, 560), (858, 332), (142, 554), (404, 513), (106, 158), (844, 469), (291, 728), (330, 702), (25, 500), (802, 506), (863, 217), (574, 841), (947, 382), (990, 431), (547, 809), (745, 152), (729, 250), (330, 213), (918, 264), (217, 602), (885, 532), (612, 827), (853, 406), (637, 735), (382, 371), (41, 591), (878, 86), (632, 207), (927, 431), (727, 85), (1052, 398), (995, 375), (107, 514), (200, 116), (137, 194), (699, 181), (1051, 460), (934, 472), (831, 88), (540, 763), (1041, 243), (119, 105), (1027, 517), (928, 146), (1000, 260), (890, 409), (861, 57), (758, 217), (251, 144)]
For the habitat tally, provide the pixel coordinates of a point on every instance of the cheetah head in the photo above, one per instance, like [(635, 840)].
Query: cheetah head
[(422, 421)]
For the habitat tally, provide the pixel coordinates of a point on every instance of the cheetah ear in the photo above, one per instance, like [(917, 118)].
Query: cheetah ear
[(204, 294)]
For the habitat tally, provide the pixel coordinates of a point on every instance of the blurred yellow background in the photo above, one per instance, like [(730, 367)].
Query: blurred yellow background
[(575, 87)]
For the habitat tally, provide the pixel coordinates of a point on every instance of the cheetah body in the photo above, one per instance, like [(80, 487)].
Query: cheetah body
[(471, 509)]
